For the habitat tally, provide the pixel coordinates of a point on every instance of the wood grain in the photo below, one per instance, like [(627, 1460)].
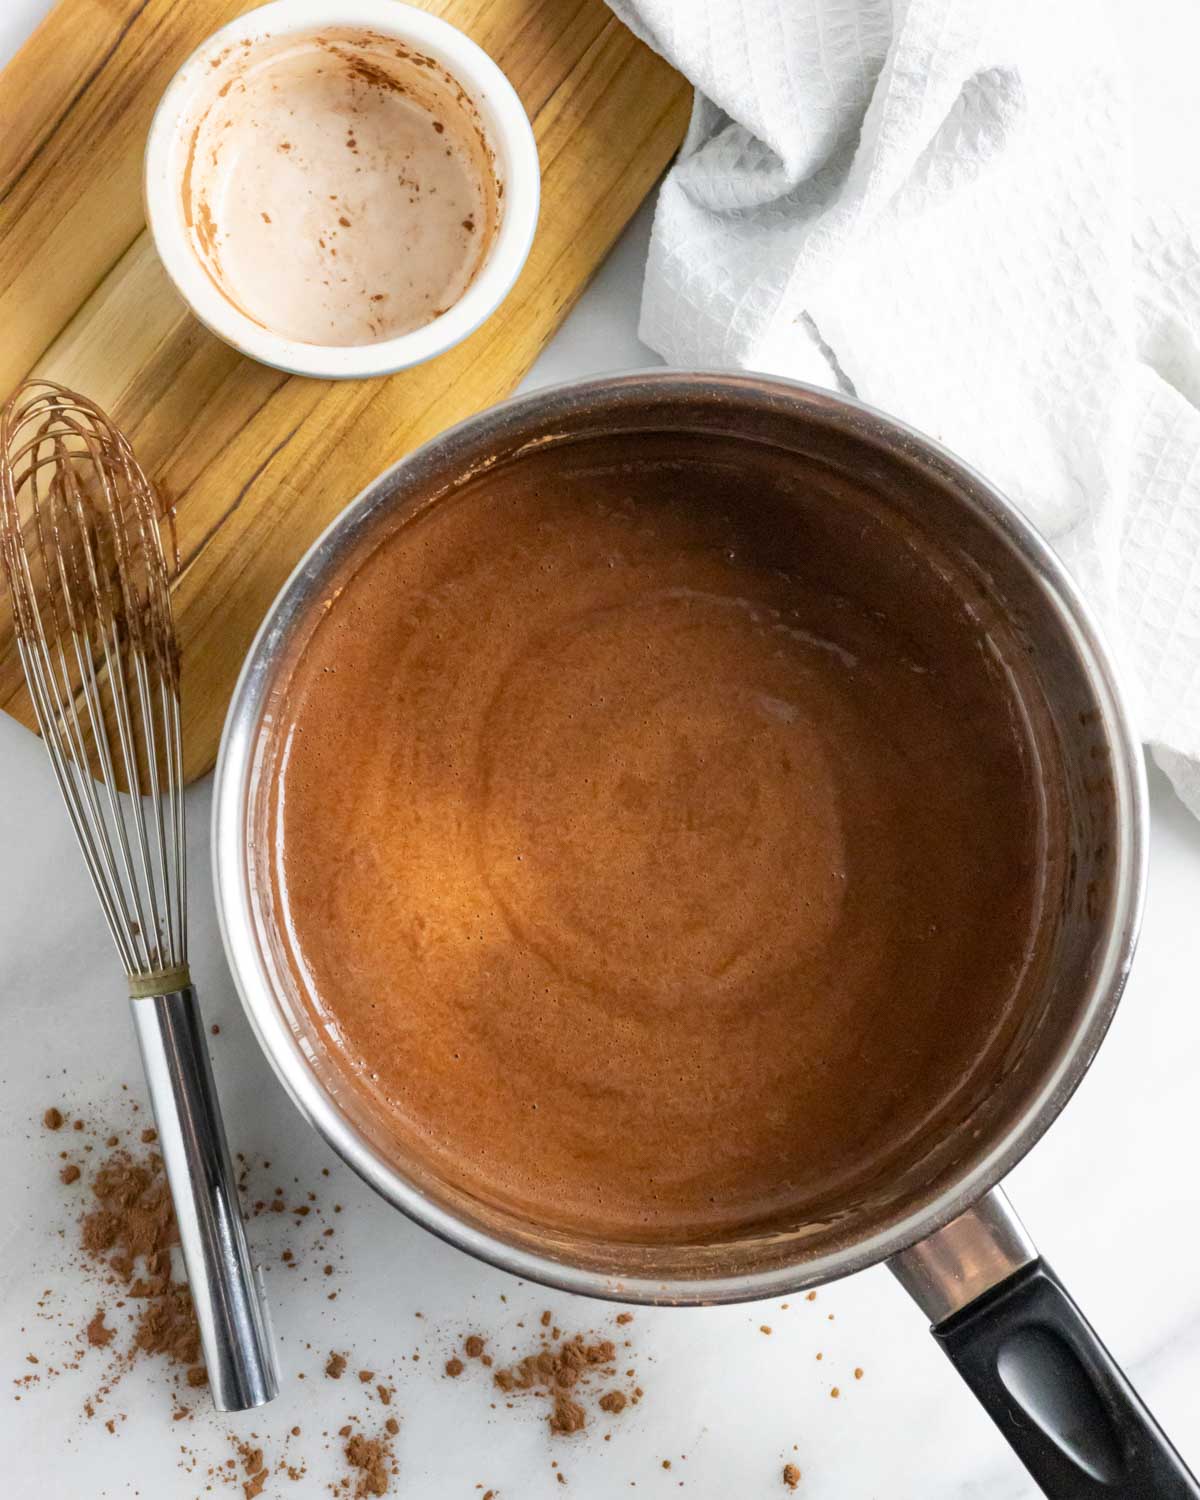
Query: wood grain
[(256, 463)]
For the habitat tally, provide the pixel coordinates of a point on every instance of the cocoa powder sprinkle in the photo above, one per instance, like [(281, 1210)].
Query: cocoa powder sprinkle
[(369, 1458), (132, 1229), (256, 1470), (560, 1373), (98, 1333), (567, 1416)]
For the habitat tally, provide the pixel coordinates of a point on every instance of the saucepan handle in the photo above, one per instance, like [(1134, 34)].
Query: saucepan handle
[(1036, 1364)]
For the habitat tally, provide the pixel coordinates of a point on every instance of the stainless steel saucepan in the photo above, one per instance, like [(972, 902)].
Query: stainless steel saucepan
[(947, 1230)]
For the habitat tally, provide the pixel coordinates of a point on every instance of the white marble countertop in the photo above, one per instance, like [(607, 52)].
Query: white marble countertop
[(1111, 1195)]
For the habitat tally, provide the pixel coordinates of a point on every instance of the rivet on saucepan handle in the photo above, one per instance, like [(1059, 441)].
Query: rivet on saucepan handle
[(1012, 1331)]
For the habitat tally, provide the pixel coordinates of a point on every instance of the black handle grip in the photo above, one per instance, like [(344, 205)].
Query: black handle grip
[(1059, 1397)]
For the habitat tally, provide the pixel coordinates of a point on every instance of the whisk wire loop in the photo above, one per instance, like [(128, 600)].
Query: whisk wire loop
[(88, 584)]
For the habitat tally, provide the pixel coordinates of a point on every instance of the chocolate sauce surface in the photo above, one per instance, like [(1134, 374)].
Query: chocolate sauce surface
[(657, 841)]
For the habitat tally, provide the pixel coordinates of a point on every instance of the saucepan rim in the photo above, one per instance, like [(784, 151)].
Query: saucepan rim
[(233, 780)]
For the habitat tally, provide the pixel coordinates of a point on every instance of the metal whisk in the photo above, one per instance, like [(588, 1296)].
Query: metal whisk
[(87, 578)]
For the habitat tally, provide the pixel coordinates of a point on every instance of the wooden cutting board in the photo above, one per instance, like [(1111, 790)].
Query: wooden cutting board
[(257, 463)]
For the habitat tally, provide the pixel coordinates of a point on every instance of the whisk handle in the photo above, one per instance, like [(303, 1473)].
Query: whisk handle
[(230, 1308)]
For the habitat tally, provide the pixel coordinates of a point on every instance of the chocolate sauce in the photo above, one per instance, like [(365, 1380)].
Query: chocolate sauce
[(657, 840)]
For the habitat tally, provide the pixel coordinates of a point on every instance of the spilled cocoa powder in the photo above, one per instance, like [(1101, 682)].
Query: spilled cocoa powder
[(371, 1462), (121, 1249), (126, 1235), (123, 1244), (99, 1335), (131, 1231), (128, 1232), (255, 1469), (133, 1218), (251, 1468), (566, 1371), (168, 1327)]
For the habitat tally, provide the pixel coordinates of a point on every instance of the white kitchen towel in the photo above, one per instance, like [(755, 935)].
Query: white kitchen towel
[(982, 216)]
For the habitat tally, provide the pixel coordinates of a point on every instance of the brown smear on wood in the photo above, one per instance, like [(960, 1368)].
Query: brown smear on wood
[(254, 462)]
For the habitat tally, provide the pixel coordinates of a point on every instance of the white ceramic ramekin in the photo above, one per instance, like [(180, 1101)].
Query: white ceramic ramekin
[(505, 124)]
